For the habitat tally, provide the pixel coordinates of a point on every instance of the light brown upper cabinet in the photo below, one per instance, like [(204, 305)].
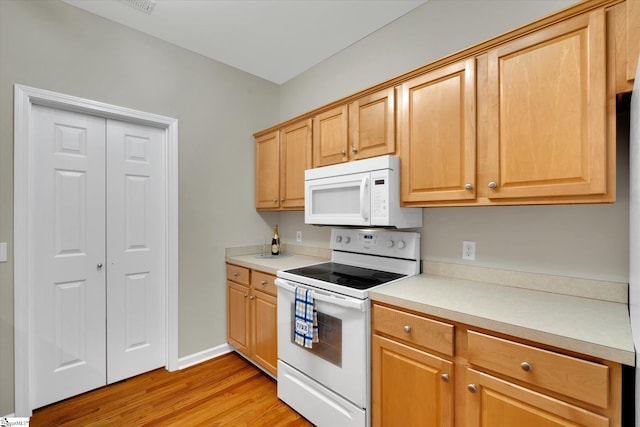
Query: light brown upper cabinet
[(330, 137), (546, 113), (268, 171), (437, 134), (362, 129), (528, 117), (281, 159), (372, 125)]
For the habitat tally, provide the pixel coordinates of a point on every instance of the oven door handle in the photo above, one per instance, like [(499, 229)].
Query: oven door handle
[(319, 295)]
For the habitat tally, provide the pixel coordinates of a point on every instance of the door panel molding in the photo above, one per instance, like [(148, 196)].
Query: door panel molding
[(24, 99)]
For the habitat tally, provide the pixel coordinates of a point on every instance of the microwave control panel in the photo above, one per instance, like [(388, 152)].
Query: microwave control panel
[(380, 194)]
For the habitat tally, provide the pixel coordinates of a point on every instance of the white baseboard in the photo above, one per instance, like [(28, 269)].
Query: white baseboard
[(194, 359)]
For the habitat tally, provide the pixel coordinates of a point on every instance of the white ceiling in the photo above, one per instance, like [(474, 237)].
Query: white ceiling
[(272, 39)]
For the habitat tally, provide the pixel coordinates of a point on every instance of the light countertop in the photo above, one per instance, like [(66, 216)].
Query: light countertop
[(589, 326), (291, 257)]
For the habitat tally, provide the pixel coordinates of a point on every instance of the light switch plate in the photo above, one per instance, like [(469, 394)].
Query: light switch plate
[(3, 252)]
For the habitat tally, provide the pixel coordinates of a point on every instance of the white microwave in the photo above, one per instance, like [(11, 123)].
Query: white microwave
[(359, 193)]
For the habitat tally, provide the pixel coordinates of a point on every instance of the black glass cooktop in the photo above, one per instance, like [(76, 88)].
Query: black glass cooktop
[(346, 275)]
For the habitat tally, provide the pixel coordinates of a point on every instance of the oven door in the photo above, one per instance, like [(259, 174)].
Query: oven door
[(338, 200), (340, 360)]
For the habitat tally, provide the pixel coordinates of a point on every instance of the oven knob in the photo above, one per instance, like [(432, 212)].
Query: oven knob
[(400, 244), (347, 239), (389, 243), (338, 239)]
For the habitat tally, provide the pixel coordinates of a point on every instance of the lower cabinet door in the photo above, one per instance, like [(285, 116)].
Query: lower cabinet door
[(410, 387), (492, 402), (265, 331), (238, 332)]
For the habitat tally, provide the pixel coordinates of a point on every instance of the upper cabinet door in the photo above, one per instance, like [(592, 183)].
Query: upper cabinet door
[(546, 112), (295, 157), (330, 142), (268, 171), (372, 125), (438, 134)]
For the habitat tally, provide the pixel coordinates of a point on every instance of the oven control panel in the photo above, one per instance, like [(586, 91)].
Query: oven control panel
[(398, 244)]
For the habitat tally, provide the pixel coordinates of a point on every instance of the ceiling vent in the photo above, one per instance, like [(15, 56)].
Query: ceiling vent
[(145, 6)]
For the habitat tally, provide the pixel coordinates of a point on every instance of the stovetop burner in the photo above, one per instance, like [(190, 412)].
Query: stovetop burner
[(346, 275)]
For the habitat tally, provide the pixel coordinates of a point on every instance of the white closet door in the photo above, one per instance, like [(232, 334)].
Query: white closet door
[(67, 213), (136, 230)]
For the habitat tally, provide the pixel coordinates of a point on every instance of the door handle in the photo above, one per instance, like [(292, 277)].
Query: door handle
[(99, 266), (364, 186)]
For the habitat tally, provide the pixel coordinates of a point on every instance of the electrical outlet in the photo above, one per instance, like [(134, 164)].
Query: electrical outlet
[(298, 236), (468, 250)]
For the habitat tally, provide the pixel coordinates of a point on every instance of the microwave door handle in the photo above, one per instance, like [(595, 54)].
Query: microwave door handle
[(364, 188)]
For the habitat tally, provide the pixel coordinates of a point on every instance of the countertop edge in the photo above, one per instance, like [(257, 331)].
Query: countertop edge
[(594, 349)]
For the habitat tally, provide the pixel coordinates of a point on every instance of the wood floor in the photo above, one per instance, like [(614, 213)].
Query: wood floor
[(226, 391)]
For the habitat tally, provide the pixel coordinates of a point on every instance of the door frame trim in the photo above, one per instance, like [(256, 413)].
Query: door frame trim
[(24, 98)]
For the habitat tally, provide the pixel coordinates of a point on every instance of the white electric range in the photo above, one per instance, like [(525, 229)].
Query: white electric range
[(329, 384)]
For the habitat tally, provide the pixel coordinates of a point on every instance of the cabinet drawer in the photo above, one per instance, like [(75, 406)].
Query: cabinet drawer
[(238, 274), (264, 282), (570, 376), (414, 329)]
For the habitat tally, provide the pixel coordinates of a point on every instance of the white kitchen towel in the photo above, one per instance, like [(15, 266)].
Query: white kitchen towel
[(306, 318)]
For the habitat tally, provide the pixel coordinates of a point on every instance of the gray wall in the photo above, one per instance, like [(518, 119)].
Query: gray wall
[(54, 46), (581, 240)]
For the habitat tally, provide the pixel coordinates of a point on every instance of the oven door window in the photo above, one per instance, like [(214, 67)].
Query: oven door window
[(329, 346)]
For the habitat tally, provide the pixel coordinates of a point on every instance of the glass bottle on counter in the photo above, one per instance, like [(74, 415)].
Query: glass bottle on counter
[(275, 242)]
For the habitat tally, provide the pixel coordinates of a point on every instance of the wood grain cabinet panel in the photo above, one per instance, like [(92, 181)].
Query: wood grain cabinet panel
[(410, 387), (295, 157), (547, 111), (252, 327), (413, 329), (438, 134), (268, 171), (330, 137), (570, 376), (281, 159), (492, 402), (264, 348), (372, 125), (238, 316)]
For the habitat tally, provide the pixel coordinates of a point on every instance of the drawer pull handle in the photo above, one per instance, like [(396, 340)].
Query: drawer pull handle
[(445, 377), (472, 388), (526, 366), (235, 274), (407, 328), (263, 283)]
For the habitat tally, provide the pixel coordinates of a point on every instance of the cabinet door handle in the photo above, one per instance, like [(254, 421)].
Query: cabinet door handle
[(407, 328), (263, 283), (468, 186), (99, 266), (472, 388), (275, 200), (251, 297), (493, 184), (526, 366), (246, 295), (344, 153), (445, 377), (282, 200), (354, 150)]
